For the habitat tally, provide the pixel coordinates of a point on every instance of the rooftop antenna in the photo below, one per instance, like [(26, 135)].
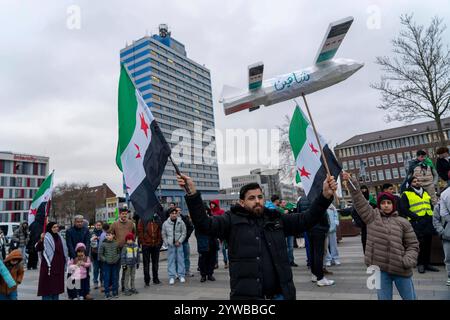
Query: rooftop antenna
[(164, 30)]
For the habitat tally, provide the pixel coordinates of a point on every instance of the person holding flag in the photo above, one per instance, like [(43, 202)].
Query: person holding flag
[(37, 215), (313, 162)]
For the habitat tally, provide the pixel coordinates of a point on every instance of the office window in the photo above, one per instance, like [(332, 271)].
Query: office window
[(371, 162), (387, 174), (407, 156), (374, 175), (351, 165), (378, 160), (344, 165), (395, 173), (385, 159), (392, 158), (402, 172), (380, 175), (399, 158), (367, 178), (357, 164)]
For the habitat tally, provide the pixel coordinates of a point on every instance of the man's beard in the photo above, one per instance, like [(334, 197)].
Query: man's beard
[(257, 210)]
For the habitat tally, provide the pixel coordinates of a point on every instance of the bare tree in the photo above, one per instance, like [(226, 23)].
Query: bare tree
[(72, 199), (416, 83), (287, 161)]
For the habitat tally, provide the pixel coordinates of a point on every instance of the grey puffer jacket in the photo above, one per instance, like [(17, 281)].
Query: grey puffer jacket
[(173, 231), (391, 242), (441, 223)]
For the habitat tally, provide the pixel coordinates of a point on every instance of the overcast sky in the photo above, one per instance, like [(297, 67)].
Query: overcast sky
[(58, 85)]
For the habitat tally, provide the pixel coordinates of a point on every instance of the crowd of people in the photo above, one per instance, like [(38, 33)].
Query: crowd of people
[(256, 239)]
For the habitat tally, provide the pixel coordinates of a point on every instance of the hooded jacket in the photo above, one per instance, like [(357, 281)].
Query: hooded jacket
[(259, 264), (173, 231), (216, 211), (15, 270), (391, 242)]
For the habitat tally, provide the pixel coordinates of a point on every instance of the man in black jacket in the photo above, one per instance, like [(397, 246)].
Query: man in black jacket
[(443, 164), (259, 265)]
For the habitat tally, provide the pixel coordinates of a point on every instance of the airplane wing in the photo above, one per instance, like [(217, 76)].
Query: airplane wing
[(333, 38), (255, 76)]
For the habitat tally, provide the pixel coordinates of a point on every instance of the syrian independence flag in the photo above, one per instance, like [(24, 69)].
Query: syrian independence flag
[(311, 171), (40, 204), (142, 150)]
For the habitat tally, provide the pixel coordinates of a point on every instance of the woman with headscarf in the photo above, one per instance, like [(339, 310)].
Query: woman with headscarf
[(54, 259)]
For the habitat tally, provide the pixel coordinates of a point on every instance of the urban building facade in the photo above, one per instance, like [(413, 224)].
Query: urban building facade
[(269, 180), (107, 212), (20, 178), (178, 92), (383, 156)]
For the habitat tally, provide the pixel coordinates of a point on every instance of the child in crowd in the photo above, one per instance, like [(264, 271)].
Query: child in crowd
[(109, 253), (173, 234), (13, 263), (130, 262), (392, 245), (79, 270)]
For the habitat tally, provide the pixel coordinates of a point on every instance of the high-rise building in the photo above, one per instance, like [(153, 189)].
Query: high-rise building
[(20, 178), (383, 156), (178, 92)]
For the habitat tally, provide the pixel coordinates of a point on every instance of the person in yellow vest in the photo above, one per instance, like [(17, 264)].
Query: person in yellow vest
[(417, 207)]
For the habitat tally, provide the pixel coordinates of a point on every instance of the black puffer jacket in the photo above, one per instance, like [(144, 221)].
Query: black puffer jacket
[(246, 235), (322, 226)]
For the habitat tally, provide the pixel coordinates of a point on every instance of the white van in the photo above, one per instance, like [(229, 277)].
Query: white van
[(8, 229)]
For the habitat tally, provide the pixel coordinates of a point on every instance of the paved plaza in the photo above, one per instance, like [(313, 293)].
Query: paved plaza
[(350, 279)]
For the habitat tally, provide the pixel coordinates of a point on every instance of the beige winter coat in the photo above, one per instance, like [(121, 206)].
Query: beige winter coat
[(391, 242)]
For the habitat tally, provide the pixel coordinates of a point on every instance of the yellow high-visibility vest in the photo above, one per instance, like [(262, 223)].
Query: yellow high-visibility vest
[(419, 206)]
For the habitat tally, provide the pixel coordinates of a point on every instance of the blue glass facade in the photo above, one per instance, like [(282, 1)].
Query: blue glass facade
[(178, 90)]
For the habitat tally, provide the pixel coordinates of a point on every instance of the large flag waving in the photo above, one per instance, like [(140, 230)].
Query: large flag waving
[(311, 171), (41, 201), (142, 150)]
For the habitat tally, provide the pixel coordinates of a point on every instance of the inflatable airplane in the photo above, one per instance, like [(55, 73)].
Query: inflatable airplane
[(324, 73)]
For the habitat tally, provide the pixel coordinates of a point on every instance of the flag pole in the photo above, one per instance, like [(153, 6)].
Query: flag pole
[(320, 145), (177, 170)]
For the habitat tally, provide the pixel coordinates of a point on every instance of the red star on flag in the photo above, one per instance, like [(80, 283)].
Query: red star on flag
[(303, 172), (33, 211), (144, 125), (313, 149), (139, 151)]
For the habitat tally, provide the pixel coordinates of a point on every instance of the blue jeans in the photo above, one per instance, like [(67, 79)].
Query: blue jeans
[(187, 257), (332, 251), (11, 296), (405, 287), (308, 254), (51, 297), (290, 248), (110, 277), (175, 261), (97, 271), (224, 251)]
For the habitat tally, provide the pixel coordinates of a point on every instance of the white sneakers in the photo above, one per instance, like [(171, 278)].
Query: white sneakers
[(313, 278), (325, 282), (171, 281), (338, 263), (328, 264), (182, 280)]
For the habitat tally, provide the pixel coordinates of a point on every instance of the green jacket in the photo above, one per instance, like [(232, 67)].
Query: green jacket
[(109, 252)]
